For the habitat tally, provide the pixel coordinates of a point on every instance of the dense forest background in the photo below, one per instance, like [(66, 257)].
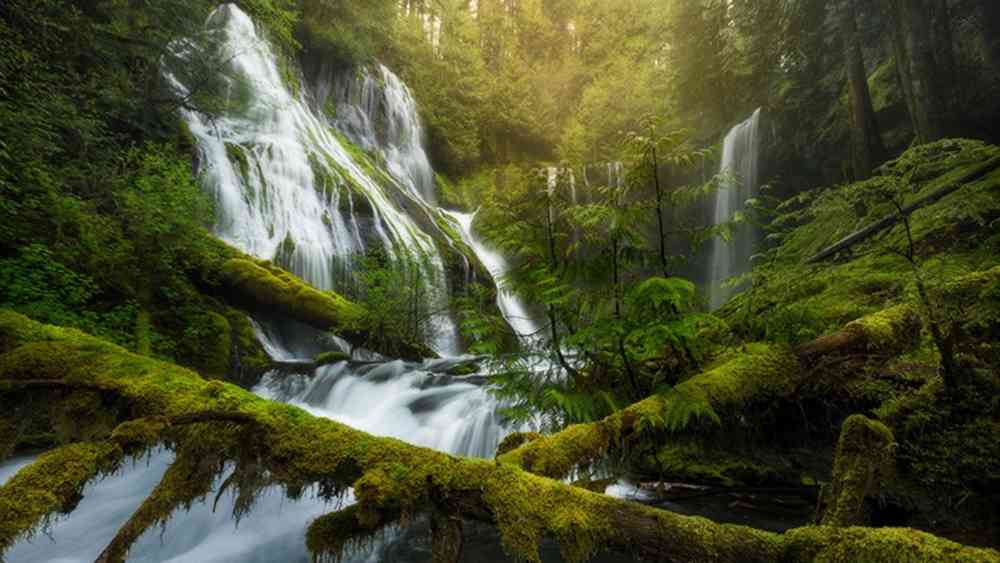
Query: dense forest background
[(587, 135)]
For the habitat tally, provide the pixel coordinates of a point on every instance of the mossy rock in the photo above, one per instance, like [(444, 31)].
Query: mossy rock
[(327, 358)]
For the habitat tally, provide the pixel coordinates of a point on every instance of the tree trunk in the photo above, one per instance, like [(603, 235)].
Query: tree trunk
[(915, 58), (944, 48), (867, 150), (990, 13), (659, 213), (391, 480), (765, 374)]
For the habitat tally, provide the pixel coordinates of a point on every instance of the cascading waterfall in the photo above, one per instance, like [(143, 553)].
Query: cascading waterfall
[(377, 112), (417, 403), (740, 160), (287, 189), (511, 306)]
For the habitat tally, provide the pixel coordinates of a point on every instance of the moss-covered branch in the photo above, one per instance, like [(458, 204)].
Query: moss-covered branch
[(260, 285), (186, 480), (890, 331), (388, 476), (52, 484), (757, 373)]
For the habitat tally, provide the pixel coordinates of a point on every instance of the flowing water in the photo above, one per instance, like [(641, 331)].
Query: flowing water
[(512, 308), (740, 160), (416, 402), (288, 188)]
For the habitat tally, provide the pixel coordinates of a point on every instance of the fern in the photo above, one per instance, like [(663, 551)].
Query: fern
[(683, 410)]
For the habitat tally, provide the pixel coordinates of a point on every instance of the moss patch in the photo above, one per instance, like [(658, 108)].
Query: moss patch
[(52, 484), (864, 457), (327, 358)]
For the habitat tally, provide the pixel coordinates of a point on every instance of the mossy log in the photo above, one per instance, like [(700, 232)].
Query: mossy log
[(889, 331), (847, 242), (864, 458), (389, 477), (758, 373), (260, 285)]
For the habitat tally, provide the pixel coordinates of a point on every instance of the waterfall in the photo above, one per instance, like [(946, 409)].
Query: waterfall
[(740, 157), (378, 112), (288, 189), (511, 306)]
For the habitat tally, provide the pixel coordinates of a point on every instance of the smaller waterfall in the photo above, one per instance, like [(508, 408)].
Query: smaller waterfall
[(740, 161), (378, 113), (616, 174), (512, 308)]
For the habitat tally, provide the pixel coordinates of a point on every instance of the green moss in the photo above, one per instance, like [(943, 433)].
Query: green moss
[(270, 286), (389, 477), (883, 86), (239, 159), (217, 347), (895, 329), (796, 301), (327, 358), (515, 440), (53, 483), (332, 535), (864, 457), (330, 107), (866, 545), (81, 416), (290, 74)]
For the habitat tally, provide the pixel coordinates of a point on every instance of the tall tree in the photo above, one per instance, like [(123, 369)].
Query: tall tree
[(990, 13), (914, 47), (867, 149)]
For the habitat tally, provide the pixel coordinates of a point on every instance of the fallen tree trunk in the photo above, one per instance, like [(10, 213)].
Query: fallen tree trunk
[(879, 226), (258, 285), (389, 477), (760, 373)]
